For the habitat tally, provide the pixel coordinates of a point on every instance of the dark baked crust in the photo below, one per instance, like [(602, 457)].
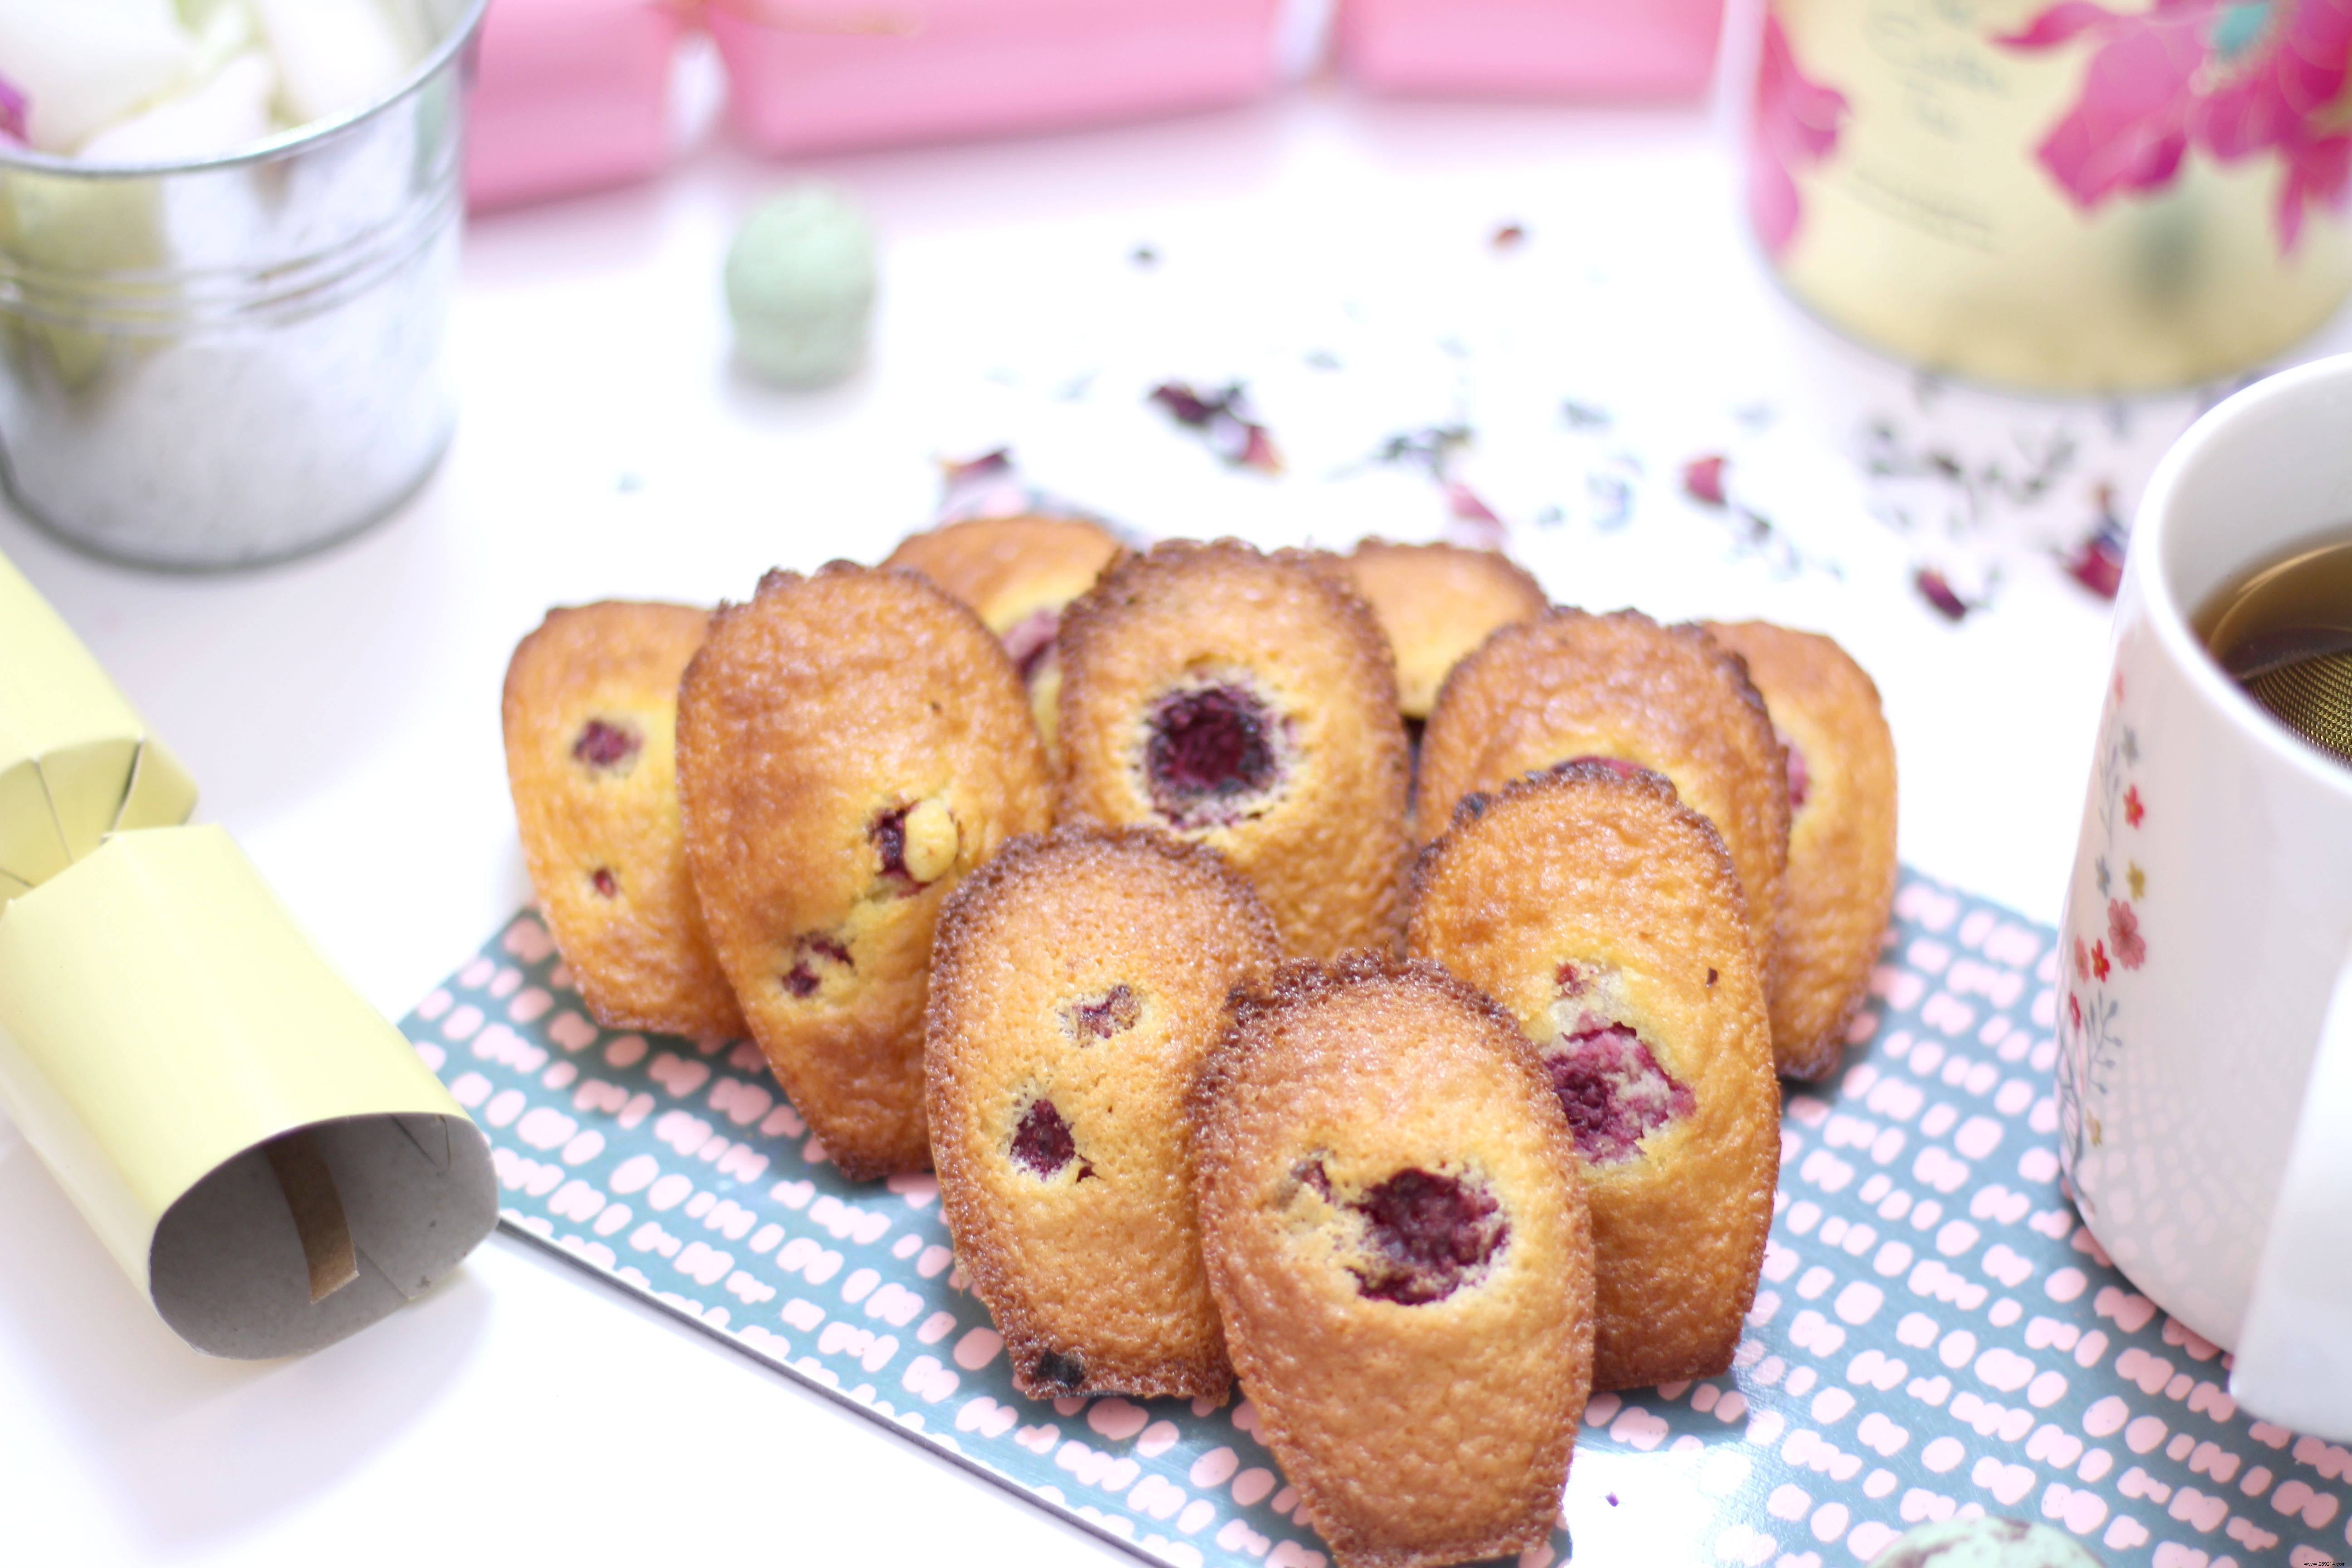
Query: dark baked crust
[(1842, 860), (1101, 1272), (809, 715), (1610, 872), (1421, 1433), (1437, 603), (1329, 852), (643, 959), (1669, 698)]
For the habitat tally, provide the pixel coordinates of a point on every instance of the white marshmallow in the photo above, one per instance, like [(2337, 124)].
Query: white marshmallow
[(333, 56), (83, 64), (230, 111)]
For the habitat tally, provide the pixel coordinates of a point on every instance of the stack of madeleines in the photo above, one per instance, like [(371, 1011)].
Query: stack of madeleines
[(1353, 974)]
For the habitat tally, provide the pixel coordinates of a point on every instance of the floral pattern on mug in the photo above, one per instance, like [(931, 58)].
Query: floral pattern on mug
[(2235, 79), (1796, 126), (2090, 1039)]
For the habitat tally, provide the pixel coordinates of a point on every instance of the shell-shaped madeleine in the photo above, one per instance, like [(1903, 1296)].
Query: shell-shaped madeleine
[(1399, 1245)]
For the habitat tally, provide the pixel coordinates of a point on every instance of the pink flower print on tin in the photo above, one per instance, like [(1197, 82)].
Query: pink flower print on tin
[(2236, 79), (1796, 126)]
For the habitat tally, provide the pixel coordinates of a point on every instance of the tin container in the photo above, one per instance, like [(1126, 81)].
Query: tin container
[(2057, 194), (235, 360)]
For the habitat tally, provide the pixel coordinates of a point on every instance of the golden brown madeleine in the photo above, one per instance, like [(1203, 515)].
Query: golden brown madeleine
[(1604, 916), (1400, 1246), (851, 745), (1076, 983), (1016, 573), (1625, 689), (1842, 867), (590, 713), (1436, 602), (1247, 702)]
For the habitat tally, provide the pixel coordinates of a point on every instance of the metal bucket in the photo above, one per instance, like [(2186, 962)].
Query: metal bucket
[(232, 361)]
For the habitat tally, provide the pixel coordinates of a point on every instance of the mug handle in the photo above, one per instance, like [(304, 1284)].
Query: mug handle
[(2294, 1364)]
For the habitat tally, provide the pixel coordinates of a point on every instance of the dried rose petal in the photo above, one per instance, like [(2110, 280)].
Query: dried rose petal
[(1702, 480), (2098, 562), (1187, 407), (987, 466), (1938, 593)]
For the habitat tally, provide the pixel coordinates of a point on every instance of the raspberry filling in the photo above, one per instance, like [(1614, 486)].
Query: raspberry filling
[(1029, 641), (810, 956), (1613, 1090), (605, 883), (1430, 1231), (1800, 777), (1042, 1145), (889, 836), (1112, 1013), (605, 746), (1212, 747)]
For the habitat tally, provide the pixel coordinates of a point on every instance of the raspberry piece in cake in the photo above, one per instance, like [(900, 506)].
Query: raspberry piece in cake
[(1429, 1232), (1210, 752), (1613, 1090), (1112, 1013), (606, 745), (1042, 1145)]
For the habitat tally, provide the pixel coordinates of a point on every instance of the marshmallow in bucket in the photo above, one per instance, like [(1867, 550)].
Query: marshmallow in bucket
[(153, 81)]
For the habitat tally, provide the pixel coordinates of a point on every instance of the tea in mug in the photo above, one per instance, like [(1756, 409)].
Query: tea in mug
[(2282, 631)]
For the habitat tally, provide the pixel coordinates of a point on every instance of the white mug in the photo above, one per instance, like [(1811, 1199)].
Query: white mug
[(2205, 998)]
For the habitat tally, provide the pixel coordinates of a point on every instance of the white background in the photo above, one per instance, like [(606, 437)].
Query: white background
[(342, 713)]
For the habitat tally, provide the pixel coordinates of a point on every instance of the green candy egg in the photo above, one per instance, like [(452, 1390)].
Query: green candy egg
[(799, 287), (1984, 1543)]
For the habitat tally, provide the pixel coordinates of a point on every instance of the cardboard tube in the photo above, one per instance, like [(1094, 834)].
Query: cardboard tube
[(77, 761), (318, 1212), (164, 1028)]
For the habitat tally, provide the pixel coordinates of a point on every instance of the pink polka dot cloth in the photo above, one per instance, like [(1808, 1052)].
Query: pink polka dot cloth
[(1935, 1332)]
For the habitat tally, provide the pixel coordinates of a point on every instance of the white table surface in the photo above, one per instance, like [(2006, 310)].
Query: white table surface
[(341, 712)]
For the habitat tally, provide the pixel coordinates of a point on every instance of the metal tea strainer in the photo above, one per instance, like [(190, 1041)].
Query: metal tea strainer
[(2303, 677)]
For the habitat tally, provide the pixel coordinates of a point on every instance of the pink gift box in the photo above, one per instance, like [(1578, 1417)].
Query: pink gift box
[(569, 95), (1584, 49), (818, 74)]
